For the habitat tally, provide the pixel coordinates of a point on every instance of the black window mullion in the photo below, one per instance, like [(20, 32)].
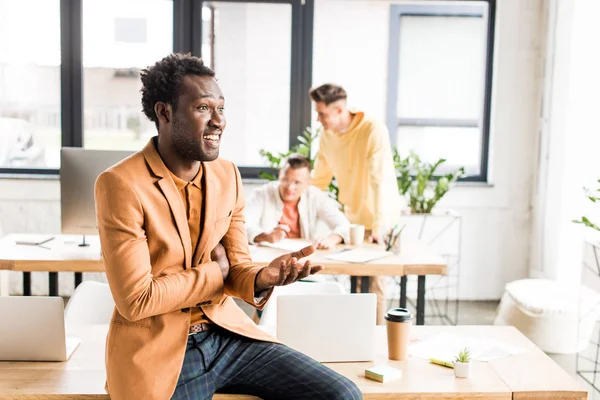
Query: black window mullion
[(182, 25), (71, 73), (295, 77), (487, 99), (196, 29), (308, 10)]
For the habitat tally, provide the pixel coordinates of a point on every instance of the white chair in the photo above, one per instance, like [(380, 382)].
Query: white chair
[(558, 318), (269, 314), (91, 304)]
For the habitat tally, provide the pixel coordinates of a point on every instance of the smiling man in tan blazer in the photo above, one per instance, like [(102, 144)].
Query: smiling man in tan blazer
[(171, 224)]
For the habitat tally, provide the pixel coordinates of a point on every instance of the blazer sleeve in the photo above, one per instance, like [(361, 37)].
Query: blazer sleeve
[(242, 272), (137, 293), (328, 212), (254, 211)]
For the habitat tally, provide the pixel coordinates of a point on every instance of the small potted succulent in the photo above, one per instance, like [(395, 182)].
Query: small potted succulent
[(462, 364)]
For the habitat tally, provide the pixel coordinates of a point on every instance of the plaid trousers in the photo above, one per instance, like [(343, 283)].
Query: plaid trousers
[(219, 360)]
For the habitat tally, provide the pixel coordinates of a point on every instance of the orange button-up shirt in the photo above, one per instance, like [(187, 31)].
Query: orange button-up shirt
[(191, 195), (291, 218)]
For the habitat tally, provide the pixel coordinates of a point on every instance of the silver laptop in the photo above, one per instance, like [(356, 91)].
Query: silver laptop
[(33, 329), (328, 327)]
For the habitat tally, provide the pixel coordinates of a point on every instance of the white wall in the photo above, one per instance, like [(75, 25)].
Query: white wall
[(569, 140), (496, 218)]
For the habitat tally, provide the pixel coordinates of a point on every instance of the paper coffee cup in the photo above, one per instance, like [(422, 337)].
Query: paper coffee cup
[(398, 322), (357, 234)]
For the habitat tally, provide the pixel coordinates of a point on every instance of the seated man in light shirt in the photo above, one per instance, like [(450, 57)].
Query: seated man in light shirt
[(290, 208)]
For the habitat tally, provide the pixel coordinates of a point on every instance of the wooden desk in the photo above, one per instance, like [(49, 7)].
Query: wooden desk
[(58, 255), (416, 258), (64, 254), (531, 375)]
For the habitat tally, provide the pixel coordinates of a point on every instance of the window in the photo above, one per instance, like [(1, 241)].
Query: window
[(143, 34), (130, 30), (30, 115), (255, 78), (259, 74), (440, 59), (82, 59)]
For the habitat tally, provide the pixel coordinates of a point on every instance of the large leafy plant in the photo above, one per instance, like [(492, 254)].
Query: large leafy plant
[(276, 160), (594, 196), (417, 180)]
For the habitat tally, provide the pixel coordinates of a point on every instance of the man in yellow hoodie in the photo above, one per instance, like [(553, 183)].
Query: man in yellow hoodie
[(355, 150)]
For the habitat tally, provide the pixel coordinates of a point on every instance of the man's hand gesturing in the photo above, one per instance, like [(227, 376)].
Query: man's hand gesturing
[(286, 269)]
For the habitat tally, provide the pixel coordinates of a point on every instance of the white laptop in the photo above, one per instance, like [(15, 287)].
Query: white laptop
[(33, 329), (328, 327)]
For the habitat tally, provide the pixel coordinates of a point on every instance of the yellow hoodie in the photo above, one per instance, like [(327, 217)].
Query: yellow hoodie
[(361, 161)]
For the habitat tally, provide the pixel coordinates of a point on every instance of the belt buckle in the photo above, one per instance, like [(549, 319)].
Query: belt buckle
[(201, 327)]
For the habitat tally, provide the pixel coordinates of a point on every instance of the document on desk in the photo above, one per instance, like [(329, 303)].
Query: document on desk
[(359, 255), (446, 346), (34, 240), (288, 244)]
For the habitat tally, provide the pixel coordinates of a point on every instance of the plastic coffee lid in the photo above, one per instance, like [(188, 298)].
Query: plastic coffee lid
[(398, 315)]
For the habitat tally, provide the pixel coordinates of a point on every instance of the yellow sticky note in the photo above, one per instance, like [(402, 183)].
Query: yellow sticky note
[(383, 373)]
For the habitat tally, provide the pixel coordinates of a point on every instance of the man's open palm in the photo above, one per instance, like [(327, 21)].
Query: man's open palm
[(286, 269)]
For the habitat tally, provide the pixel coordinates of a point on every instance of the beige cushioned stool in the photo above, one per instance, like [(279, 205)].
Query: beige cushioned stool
[(556, 317)]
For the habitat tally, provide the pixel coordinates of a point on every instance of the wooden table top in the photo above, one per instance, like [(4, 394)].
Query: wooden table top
[(60, 254), (63, 254), (416, 258), (531, 375)]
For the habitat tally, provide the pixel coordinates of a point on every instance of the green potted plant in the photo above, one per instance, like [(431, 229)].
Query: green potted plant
[(275, 160), (417, 180), (462, 364), (593, 196)]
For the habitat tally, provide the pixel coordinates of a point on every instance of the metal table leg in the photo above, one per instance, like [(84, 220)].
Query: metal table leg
[(403, 281), (78, 278), (26, 283), (53, 283), (421, 300), (365, 284)]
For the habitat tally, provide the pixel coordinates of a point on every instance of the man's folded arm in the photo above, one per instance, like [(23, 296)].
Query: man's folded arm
[(137, 293)]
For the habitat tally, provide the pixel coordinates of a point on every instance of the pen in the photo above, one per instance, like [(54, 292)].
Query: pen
[(441, 362)]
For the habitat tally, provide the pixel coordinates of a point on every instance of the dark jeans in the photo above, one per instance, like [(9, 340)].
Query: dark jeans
[(219, 360)]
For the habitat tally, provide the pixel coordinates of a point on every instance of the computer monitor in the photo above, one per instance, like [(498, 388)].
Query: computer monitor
[(79, 169)]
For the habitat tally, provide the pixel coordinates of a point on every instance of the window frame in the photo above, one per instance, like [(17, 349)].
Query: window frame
[(187, 37), (465, 8)]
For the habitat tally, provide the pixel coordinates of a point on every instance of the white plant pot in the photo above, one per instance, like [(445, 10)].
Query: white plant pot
[(462, 370)]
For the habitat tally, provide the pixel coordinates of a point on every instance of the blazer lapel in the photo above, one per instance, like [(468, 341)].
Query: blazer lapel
[(209, 213), (169, 190)]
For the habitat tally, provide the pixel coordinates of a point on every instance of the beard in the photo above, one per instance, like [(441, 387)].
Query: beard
[(188, 145)]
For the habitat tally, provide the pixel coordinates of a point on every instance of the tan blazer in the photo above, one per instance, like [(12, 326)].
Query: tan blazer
[(147, 252)]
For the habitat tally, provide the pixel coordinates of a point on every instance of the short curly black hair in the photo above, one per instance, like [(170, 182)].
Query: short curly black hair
[(162, 81)]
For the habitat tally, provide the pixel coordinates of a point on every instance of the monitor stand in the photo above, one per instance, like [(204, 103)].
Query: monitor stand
[(83, 243)]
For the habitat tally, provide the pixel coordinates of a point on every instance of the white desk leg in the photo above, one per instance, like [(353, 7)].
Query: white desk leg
[(4, 283)]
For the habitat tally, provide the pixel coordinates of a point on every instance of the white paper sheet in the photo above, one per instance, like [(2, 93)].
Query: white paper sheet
[(34, 239), (288, 244), (358, 255), (446, 347)]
